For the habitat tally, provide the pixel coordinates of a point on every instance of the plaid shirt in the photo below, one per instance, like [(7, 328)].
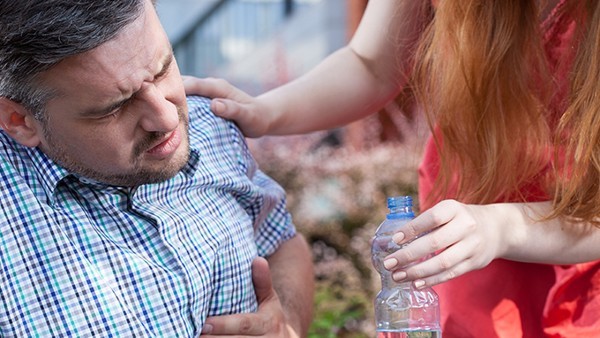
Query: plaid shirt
[(84, 259)]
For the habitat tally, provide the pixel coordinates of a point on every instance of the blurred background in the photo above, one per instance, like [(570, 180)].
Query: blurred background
[(338, 180)]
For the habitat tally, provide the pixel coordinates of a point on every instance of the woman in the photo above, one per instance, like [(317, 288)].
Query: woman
[(510, 179)]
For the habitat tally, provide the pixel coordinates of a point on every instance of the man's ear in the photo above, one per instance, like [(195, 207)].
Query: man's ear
[(19, 123)]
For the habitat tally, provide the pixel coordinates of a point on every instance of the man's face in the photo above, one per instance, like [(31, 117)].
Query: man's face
[(120, 116)]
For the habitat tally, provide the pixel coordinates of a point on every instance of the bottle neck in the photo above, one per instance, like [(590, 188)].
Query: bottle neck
[(400, 207), (405, 212)]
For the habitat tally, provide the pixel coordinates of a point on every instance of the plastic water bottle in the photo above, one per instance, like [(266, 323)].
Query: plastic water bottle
[(401, 310)]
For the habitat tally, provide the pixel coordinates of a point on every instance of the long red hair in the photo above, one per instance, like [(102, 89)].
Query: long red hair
[(483, 78)]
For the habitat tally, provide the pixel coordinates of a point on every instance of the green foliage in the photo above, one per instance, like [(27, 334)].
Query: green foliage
[(337, 198), (334, 315)]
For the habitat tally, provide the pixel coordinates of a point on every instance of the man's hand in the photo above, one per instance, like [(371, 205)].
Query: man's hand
[(268, 321)]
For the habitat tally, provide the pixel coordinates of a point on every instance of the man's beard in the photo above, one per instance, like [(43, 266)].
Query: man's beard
[(137, 175)]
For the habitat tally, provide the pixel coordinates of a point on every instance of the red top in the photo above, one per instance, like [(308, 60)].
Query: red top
[(512, 299)]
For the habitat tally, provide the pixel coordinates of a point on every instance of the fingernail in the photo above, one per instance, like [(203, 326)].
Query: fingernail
[(390, 263), (218, 106), (419, 283), (399, 276), (398, 237), (207, 328)]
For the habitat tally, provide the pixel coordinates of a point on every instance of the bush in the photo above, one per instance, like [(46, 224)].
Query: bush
[(337, 198)]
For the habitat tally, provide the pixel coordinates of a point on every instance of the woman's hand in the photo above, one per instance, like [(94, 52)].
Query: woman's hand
[(230, 103), (455, 238)]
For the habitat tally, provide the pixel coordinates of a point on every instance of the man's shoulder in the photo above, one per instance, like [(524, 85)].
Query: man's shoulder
[(199, 112), (216, 139), (202, 121), (198, 101), (199, 106)]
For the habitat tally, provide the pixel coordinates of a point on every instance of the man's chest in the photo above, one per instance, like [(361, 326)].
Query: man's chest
[(143, 264)]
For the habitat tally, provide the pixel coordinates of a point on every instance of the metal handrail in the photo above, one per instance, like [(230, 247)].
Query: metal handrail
[(200, 21)]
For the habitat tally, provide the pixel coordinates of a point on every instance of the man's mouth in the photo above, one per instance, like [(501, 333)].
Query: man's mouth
[(166, 145)]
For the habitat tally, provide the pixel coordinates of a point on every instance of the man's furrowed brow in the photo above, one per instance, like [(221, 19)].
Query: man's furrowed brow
[(166, 65), (97, 112)]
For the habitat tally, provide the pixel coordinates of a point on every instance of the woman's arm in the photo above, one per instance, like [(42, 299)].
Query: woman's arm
[(468, 237), (351, 83)]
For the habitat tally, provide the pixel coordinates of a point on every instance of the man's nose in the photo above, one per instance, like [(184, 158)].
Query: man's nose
[(158, 113)]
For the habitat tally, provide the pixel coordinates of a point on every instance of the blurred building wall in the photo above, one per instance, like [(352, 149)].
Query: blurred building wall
[(254, 44), (260, 44)]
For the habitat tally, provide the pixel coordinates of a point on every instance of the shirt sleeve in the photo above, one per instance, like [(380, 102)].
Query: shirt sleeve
[(267, 206), (273, 224), (265, 203), (262, 198)]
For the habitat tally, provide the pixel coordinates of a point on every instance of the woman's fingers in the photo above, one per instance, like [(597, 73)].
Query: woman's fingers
[(458, 241)]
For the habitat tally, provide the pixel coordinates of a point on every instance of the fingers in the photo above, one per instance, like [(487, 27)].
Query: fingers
[(251, 119), (436, 223), (457, 242), (217, 89), (436, 216), (209, 87), (266, 320), (443, 267), (227, 109), (416, 251), (261, 278), (247, 324), (231, 103)]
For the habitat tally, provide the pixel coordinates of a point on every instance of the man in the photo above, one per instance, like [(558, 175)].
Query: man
[(123, 212)]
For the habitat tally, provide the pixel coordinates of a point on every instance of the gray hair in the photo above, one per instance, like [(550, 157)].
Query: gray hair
[(35, 35)]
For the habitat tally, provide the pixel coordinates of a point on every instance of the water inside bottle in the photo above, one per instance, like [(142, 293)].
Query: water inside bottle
[(409, 334)]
